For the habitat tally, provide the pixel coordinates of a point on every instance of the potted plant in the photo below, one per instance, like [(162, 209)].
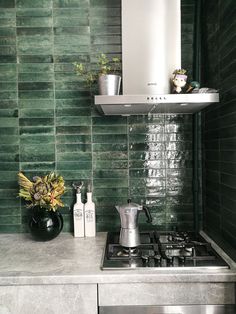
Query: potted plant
[(107, 75), (42, 195)]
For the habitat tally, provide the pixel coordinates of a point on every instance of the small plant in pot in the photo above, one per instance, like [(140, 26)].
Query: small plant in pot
[(107, 75), (42, 195)]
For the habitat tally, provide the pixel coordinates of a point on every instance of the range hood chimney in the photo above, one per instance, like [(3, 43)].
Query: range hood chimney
[(151, 51)]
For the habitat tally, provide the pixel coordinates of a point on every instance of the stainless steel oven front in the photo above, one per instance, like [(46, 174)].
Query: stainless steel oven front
[(182, 309)]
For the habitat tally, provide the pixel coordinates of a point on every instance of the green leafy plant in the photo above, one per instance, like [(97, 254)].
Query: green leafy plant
[(105, 66), (43, 191)]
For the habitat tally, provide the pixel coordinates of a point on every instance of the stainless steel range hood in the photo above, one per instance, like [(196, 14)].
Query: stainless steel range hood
[(151, 51)]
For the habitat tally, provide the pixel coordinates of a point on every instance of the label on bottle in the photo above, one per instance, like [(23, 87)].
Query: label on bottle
[(89, 215), (78, 213)]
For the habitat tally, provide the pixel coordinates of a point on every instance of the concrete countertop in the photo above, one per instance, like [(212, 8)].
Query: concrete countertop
[(69, 260)]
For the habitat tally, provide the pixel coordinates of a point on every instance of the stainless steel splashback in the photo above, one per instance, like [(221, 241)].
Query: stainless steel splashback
[(151, 45)]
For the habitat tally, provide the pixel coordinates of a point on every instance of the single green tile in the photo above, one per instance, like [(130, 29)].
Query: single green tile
[(111, 120), (109, 155), (120, 173), (78, 156), (109, 183), (9, 139), (36, 77), (36, 58), (82, 30), (82, 102), (36, 130), (6, 204), (70, 3), (71, 13), (10, 211), (37, 139), (76, 174), (36, 121), (107, 192), (8, 122), (63, 139), (8, 95), (47, 12), (4, 157), (8, 112), (73, 48), (10, 22), (7, 4), (67, 148), (110, 164), (121, 129), (36, 94), (73, 130), (73, 86), (70, 94), (9, 149), (7, 41), (8, 59), (35, 68), (73, 121), (110, 138), (36, 103), (11, 166), (61, 112), (36, 113), (37, 166), (109, 147), (34, 4), (33, 21), (44, 86), (74, 165), (7, 86)]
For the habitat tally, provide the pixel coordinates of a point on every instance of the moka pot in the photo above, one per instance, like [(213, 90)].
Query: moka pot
[(129, 231)]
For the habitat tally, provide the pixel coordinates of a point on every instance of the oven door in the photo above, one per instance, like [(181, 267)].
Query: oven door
[(184, 309)]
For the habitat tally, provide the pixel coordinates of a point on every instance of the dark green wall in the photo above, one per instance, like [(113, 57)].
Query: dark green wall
[(219, 121), (48, 121)]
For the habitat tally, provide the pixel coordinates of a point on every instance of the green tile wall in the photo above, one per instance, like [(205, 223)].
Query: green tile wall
[(219, 124), (48, 121)]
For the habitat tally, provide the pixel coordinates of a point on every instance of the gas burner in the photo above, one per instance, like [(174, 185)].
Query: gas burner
[(178, 237), (128, 252)]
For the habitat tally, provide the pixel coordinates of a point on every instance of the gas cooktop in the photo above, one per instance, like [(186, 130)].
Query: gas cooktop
[(162, 250)]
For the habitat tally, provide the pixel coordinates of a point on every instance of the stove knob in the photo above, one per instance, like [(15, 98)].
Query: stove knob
[(157, 259), (182, 260), (145, 259)]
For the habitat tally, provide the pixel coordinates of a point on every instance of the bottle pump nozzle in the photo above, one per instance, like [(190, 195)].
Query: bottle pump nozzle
[(78, 186)]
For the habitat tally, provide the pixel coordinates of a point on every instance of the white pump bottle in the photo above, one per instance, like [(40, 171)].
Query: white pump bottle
[(78, 213), (90, 217)]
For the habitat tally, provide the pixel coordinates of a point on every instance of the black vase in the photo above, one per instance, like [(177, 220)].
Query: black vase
[(45, 224)]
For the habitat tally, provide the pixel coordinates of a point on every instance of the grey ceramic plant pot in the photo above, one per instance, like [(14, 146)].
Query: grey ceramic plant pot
[(109, 84)]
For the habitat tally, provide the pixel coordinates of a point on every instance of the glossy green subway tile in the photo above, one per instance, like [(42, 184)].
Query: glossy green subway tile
[(64, 112), (120, 173), (63, 139), (7, 122), (8, 112), (77, 85), (36, 113), (71, 13), (76, 47), (7, 41), (110, 138), (36, 58), (11, 228), (121, 129), (110, 164), (45, 12), (11, 166), (111, 120), (35, 86), (110, 155), (107, 192), (34, 21), (76, 174), (5, 157), (67, 148), (31, 48), (70, 3), (70, 94), (47, 104), (109, 183), (10, 22), (7, 31), (4, 4), (34, 4), (73, 121), (8, 95), (7, 59), (37, 139), (109, 147), (78, 156), (10, 219), (36, 130), (7, 86), (12, 203), (36, 121), (35, 68), (36, 94), (74, 30), (8, 193), (37, 166), (35, 77), (74, 165), (73, 130), (8, 72), (9, 139), (38, 152)]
